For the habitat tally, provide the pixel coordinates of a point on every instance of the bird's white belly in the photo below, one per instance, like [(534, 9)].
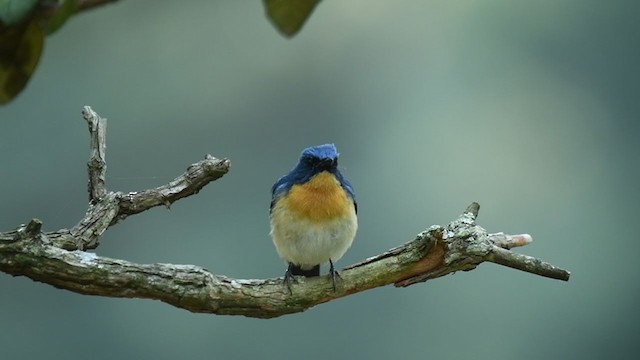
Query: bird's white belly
[(306, 243)]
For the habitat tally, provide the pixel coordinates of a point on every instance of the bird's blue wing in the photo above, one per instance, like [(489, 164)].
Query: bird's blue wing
[(280, 187), (346, 185)]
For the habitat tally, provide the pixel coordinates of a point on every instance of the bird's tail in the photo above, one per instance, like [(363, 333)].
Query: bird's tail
[(297, 270)]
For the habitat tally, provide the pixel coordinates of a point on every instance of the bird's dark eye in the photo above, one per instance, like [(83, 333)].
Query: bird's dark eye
[(327, 163), (308, 160)]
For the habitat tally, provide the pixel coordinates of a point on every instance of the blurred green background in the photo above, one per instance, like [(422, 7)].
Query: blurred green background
[(530, 108)]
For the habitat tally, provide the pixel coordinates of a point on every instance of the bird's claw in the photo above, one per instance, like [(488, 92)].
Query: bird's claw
[(334, 274)]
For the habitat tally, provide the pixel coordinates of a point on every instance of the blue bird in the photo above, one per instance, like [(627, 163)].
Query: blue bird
[(313, 214)]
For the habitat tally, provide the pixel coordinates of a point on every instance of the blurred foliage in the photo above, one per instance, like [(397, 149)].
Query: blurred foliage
[(12, 12), (60, 14), (20, 49), (23, 25), (288, 16)]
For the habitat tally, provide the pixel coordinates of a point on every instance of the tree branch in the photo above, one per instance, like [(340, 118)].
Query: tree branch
[(56, 258), (97, 165)]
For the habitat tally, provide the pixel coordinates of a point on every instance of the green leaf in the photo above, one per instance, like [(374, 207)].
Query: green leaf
[(63, 11), (288, 16), (12, 12), (20, 49)]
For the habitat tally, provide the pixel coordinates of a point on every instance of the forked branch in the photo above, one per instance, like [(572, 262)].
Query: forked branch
[(59, 258)]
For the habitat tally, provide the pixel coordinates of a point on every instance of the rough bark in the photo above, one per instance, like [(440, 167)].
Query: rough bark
[(60, 258)]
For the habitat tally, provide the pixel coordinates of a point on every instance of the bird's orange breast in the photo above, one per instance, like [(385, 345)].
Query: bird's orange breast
[(321, 198)]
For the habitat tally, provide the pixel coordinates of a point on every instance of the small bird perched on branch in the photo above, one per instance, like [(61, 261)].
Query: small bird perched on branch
[(313, 214)]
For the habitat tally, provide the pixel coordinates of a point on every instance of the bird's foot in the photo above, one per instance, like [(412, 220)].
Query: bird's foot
[(334, 274), (289, 278)]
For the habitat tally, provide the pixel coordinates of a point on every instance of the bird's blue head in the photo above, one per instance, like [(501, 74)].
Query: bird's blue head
[(320, 152), (313, 160), (319, 158)]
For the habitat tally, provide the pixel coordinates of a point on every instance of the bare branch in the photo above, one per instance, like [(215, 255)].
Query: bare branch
[(506, 241), (107, 208), (46, 257), (197, 176), (97, 165), (526, 263)]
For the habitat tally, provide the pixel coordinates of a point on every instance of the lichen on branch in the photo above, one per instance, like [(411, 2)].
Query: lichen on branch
[(59, 258)]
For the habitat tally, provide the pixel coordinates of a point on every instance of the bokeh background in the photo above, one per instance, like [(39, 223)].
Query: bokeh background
[(530, 108)]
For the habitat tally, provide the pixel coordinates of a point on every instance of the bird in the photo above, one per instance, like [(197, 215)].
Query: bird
[(313, 214)]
